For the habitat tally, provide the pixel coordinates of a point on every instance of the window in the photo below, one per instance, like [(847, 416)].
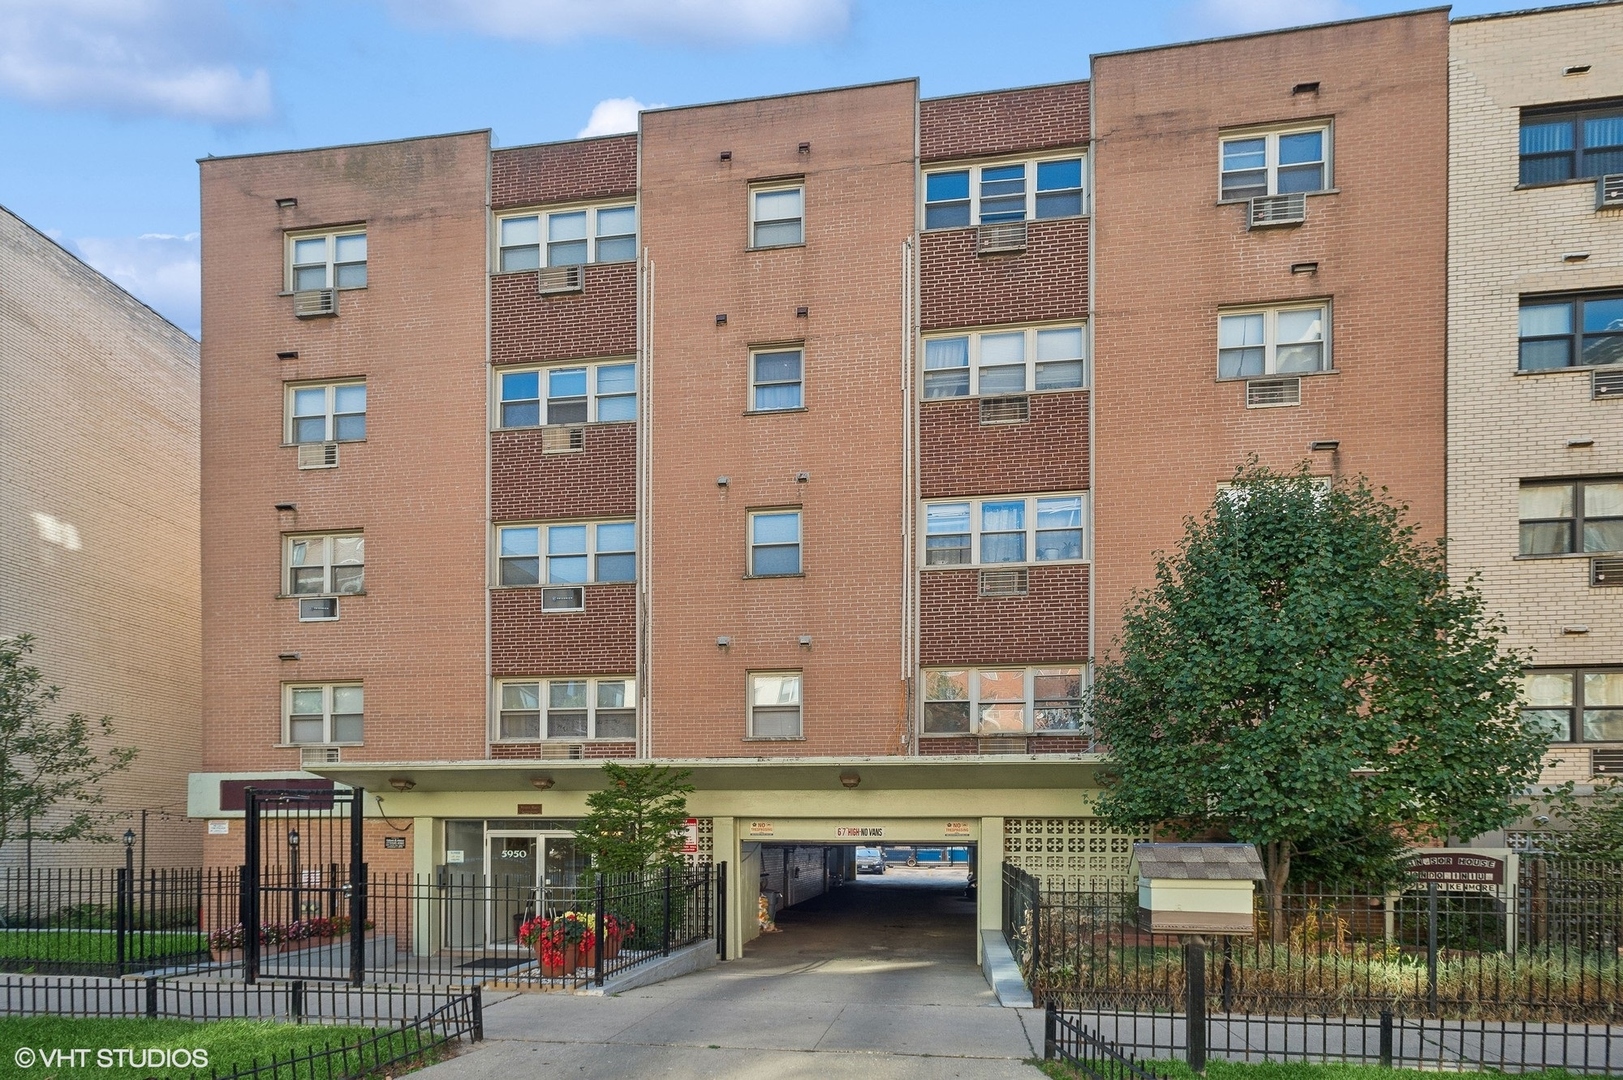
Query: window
[(777, 217), (775, 543), (1571, 331), (332, 413), (325, 713), (593, 234), (325, 566), (1006, 191), (574, 708), (1273, 341), (1005, 362), (579, 394), (990, 532), (331, 261), (775, 705), (1575, 706), (997, 701), (1572, 144), (1275, 163), (775, 379), (582, 553), (1560, 519)]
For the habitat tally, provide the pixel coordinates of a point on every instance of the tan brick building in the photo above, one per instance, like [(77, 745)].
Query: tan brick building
[(98, 530), (1535, 409)]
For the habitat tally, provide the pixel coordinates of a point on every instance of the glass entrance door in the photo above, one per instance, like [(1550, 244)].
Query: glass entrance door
[(512, 867)]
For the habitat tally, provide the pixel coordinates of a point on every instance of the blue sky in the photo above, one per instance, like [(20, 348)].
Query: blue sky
[(105, 105)]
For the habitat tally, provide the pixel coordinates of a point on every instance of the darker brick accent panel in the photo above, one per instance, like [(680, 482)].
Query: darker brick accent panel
[(600, 481), (601, 320), (958, 455), (602, 640), (959, 626), (561, 172), (1003, 121), (534, 751), (1049, 280)]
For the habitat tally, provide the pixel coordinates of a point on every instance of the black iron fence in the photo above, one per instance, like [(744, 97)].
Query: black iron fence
[(101, 920), (1067, 1039)]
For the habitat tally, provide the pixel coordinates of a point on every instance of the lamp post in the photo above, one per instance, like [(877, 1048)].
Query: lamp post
[(126, 897), (293, 860)]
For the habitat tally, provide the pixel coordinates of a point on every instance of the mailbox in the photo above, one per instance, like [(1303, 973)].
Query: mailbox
[(1196, 888)]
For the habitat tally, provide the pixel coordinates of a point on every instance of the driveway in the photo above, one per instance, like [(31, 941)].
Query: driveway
[(875, 980)]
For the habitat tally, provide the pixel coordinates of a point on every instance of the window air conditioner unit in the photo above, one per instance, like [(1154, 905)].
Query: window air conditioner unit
[(1609, 192), (562, 439), (1606, 384), (1272, 393), (560, 279), (318, 455), (1005, 582), (571, 598), (1605, 572), (1266, 210), (1005, 410), (318, 755), (1606, 762), (313, 302), (318, 609), (1000, 237)]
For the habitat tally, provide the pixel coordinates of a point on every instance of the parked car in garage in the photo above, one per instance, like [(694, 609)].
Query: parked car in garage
[(870, 861)]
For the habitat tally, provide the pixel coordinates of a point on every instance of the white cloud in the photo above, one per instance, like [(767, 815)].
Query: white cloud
[(711, 22), (1245, 16), (162, 270), (129, 56), (612, 116)]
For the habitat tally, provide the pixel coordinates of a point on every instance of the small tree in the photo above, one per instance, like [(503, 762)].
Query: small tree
[(1589, 828), (48, 764), (1303, 678), (636, 820)]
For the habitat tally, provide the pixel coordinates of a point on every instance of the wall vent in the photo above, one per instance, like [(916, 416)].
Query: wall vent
[(1606, 384), (562, 751), (1266, 210), (318, 608), (1609, 192), (1002, 744), (563, 439), (318, 455), (560, 279), (1000, 238), (318, 755), (1604, 572), (571, 598), (1272, 393), (1606, 762), (1005, 582), (312, 302), (1005, 410)]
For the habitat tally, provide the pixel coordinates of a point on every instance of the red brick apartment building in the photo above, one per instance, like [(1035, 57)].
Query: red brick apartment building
[(761, 441)]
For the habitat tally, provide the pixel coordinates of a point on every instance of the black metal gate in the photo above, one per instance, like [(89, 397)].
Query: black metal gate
[(303, 885)]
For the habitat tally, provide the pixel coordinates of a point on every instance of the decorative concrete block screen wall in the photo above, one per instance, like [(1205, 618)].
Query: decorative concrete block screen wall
[(1078, 853)]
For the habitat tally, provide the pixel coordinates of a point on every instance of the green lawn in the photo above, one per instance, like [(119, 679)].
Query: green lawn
[(1226, 1070), (95, 946), (231, 1044)]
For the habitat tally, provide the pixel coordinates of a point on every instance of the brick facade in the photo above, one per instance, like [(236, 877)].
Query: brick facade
[(960, 456), (600, 640), (564, 172), (1049, 280), (959, 626), (600, 320), (1003, 121), (598, 481)]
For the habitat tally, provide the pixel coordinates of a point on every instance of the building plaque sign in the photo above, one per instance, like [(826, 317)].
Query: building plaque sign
[(394, 843), (1453, 867)]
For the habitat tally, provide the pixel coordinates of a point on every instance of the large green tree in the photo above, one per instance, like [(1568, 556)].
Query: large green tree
[(50, 768), (1304, 677), (635, 821)]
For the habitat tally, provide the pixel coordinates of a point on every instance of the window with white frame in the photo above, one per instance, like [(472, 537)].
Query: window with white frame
[(1584, 705), (1005, 361), (332, 412), (774, 705), (1289, 339), (774, 543), (574, 553), (334, 260), (329, 565), (1003, 191), (590, 234), (1275, 162), (1005, 530), (998, 701), (602, 393), (777, 216), (776, 379), (599, 707), (323, 712)]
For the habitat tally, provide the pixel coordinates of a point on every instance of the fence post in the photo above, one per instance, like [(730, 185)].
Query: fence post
[(1194, 965), (1050, 1030), (295, 1000), (1386, 1038), (667, 934), (478, 1013), (152, 997), (721, 911), (121, 917), (248, 887), (1228, 974), (600, 926), (1431, 945)]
